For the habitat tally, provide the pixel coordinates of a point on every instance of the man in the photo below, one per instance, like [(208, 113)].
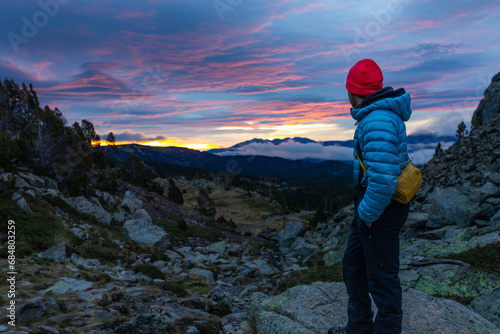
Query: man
[(371, 259)]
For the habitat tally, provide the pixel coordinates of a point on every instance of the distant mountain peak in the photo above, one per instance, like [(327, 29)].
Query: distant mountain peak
[(276, 141)]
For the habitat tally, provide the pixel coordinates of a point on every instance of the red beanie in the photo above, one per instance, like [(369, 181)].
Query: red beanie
[(364, 78)]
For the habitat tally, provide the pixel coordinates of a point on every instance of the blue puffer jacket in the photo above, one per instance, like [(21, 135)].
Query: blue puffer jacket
[(382, 136)]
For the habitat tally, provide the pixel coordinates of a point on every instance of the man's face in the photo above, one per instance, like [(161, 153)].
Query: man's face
[(351, 99)]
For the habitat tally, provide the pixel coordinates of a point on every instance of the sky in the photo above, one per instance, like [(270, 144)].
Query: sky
[(206, 74)]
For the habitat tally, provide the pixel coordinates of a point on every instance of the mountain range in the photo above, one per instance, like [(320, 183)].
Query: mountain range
[(242, 164), (288, 157), (421, 147)]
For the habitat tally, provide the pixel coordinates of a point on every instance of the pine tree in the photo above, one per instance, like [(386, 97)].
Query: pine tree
[(461, 130), (439, 151), (110, 140)]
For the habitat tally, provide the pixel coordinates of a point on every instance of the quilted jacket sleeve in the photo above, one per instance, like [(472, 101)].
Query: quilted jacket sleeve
[(379, 139)]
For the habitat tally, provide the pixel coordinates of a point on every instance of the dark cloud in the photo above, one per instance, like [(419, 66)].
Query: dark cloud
[(131, 136)]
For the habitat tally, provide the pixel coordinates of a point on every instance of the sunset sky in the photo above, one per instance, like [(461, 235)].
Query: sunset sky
[(205, 74)]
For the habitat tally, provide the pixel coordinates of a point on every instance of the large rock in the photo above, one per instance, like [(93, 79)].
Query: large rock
[(142, 214), (107, 197), (34, 180), (86, 263), (19, 181), (83, 205), (23, 204), (311, 309), (207, 274), (450, 207), (495, 220), (66, 285), (218, 247), (131, 202), (32, 310), (448, 278), (417, 219), (337, 253), (290, 232), (144, 232), (257, 269), (48, 330), (302, 248), (489, 107), (488, 305), (60, 251)]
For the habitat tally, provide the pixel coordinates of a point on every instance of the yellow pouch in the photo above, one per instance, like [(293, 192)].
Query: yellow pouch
[(408, 182)]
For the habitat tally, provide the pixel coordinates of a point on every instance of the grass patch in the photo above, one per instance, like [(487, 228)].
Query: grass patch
[(268, 244), (258, 203), (461, 299), (200, 232), (179, 233), (173, 229), (41, 261), (194, 285), (104, 250), (211, 325), (172, 216), (485, 258), (307, 276), (148, 269), (175, 288), (35, 231), (98, 278), (314, 260)]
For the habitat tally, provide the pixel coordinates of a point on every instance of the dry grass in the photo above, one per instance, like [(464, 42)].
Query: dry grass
[(243, 210)]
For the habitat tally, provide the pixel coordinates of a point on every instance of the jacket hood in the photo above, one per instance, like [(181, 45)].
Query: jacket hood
[(397, 101)]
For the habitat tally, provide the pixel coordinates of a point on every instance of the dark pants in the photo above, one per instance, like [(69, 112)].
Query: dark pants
[(371, 267)]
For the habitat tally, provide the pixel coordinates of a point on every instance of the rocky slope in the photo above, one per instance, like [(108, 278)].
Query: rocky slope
[(132, 261)]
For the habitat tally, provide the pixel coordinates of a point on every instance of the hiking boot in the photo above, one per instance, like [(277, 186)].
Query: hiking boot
[(337, 330)]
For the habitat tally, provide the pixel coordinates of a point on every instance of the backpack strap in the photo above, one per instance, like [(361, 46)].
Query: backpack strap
[(360, 174)]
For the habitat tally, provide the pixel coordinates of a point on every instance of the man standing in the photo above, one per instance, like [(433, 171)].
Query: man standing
[(371, 259)]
